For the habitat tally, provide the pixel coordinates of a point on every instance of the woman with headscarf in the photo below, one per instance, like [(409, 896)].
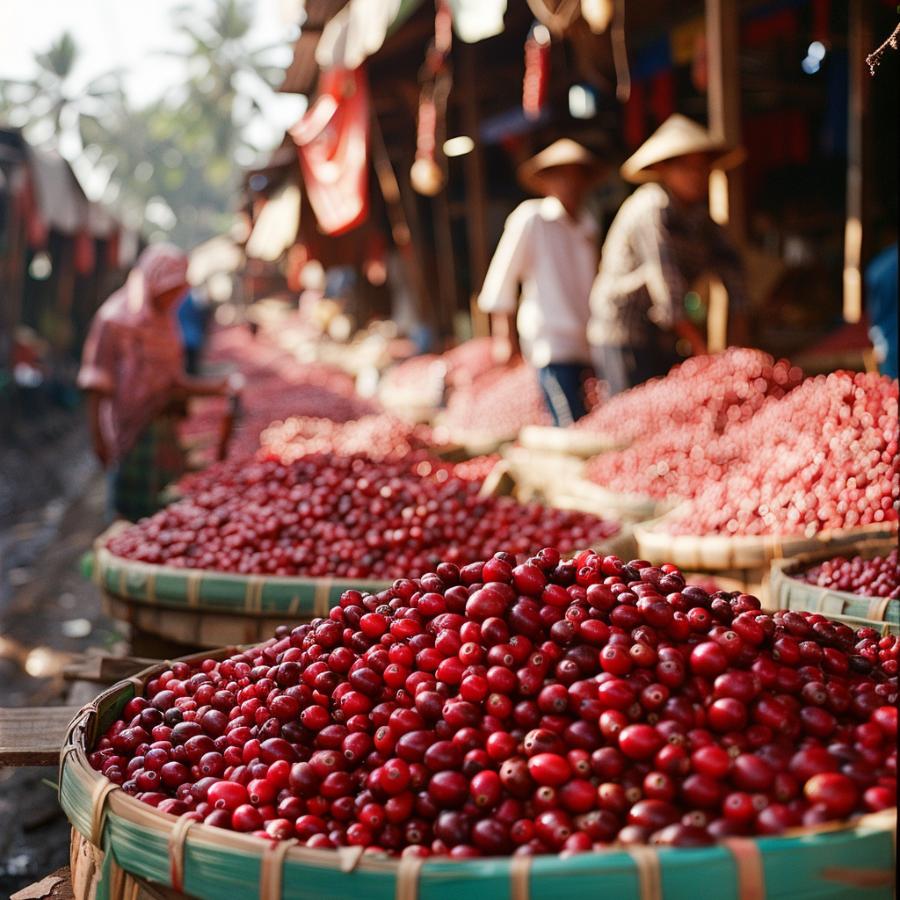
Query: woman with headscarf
[(133, 372)]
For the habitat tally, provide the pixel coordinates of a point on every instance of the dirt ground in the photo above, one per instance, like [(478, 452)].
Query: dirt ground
[(51, 509)]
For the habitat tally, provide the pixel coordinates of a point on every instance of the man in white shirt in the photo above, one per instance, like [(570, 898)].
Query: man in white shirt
[(544, 266)]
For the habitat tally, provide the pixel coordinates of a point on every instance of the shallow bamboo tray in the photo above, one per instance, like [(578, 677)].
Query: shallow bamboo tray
[(124, 846), (714, 552), (558, 479), (572, 441), (587, 496), (788, 592)]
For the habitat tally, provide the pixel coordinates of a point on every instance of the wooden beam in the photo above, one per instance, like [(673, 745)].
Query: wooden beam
[(402, 233), (106, 669), (857, 115), (476, 219), (726, 199), (33, 736)]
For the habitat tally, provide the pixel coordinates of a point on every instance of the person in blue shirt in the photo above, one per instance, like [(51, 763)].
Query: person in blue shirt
[(192, 324), (881, 303)]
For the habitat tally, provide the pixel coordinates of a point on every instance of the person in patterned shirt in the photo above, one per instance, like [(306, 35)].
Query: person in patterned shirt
[(661, 242)]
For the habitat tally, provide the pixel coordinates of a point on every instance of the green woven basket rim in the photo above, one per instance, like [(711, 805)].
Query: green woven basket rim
[(790, 592)]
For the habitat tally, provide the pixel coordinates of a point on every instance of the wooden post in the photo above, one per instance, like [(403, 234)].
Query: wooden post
[(857, 113), (400, 229), (474, 161), (726, 201), (446, 261)]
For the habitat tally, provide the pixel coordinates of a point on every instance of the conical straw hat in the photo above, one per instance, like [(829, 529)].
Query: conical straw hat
[(677, 136), (564, 152)]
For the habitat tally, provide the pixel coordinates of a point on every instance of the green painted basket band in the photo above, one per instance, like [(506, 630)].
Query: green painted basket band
[(219, 591)]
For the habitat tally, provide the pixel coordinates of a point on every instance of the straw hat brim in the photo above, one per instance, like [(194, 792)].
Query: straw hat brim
[(678, 136), (563, 153)]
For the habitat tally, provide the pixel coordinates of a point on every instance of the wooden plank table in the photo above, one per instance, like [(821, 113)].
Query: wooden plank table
[(55, 886), (106, 669), (33, 735)]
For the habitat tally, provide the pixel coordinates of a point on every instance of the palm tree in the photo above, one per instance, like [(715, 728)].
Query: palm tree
[(226, 73), (48, 105)]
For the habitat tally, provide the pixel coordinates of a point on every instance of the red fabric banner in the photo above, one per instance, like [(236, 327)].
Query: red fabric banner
[(332, 141)]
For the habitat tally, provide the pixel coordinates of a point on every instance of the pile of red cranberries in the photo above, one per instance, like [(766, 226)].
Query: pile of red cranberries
[(277, 386), (498, 404), (379, 437), (346, 516), (823, 458), (878, 576), (541, 706), (703, 395)]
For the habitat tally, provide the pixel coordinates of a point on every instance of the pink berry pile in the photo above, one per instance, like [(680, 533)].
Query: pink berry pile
[(702, 395), (496, 405), (823, 458)]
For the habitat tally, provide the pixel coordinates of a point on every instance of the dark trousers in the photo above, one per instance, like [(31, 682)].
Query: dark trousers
[(626, 367), (563, 388), (192, 360)]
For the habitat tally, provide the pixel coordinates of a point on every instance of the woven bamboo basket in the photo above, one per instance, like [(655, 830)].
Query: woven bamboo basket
[(587, 496), (197, 608), (789, 592), (715, 552), (410, 407), (123, 848), (571, 441), (537, 472)]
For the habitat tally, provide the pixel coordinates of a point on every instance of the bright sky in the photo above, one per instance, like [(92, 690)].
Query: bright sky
[(128, 34)]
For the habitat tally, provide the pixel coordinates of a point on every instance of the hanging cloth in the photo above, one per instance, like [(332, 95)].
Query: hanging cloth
[(537, 75), (332, 141), (359, 30), (85, 255)]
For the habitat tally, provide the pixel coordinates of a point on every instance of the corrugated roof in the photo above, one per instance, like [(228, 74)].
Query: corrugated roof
[(61, 200)]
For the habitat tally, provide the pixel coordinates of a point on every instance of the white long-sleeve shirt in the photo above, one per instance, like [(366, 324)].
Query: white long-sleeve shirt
[(554, 259)]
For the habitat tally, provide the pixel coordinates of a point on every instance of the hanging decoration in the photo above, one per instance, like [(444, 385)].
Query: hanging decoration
[(620, 52), (428, 173), (537, 71), (598, 14)]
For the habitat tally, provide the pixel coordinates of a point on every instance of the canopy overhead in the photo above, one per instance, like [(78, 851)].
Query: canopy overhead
[(218, 255), (359, 30), (60, 199)]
